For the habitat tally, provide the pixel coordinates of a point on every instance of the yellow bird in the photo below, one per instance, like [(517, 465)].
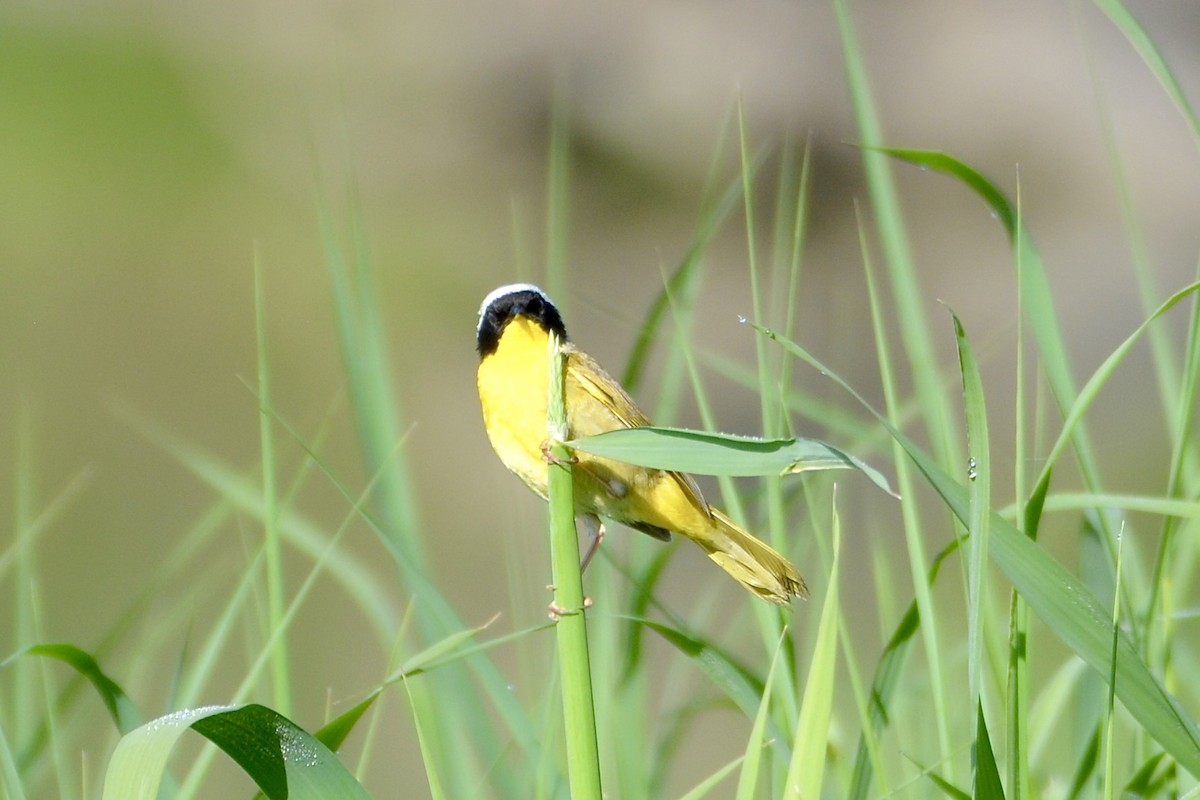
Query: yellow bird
[(515, 323)]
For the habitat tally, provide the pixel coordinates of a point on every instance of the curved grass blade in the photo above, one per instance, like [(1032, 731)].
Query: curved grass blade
[(1036, 298), (1150, 781), (949, 165), (279, 756), (738, 683), (683, 450), (122, 710), (334, 732), (702, 789), (1144, 44)]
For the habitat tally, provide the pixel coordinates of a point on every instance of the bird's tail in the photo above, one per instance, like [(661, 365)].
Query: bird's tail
[(754, 563)]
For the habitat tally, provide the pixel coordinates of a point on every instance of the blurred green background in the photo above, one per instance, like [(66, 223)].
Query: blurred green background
[(148, 150)]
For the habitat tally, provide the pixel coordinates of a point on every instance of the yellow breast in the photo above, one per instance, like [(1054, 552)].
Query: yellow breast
[(513, 386)]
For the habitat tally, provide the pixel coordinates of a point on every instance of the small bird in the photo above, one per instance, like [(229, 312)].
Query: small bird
[(515, 323)]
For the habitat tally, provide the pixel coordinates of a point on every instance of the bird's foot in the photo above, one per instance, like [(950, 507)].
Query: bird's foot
[(549, 457), (557, 612)]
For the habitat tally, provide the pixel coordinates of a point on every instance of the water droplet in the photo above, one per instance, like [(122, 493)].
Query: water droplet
[(972, 469), (742, 319), (294, 748)]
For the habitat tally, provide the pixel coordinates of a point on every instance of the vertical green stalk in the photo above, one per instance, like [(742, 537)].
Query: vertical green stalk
[(579, 713), (280, 677), (1109, 758)]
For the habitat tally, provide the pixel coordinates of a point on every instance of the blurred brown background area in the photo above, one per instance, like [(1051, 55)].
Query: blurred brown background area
[(148, 149)]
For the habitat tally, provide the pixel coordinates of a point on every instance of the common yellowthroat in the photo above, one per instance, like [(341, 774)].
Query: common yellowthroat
[(515, 323)]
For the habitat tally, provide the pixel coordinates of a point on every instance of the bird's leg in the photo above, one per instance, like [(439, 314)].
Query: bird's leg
[(593, 528)]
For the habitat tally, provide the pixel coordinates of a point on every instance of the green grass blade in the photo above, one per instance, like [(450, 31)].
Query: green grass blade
[(948, 788), (280, 675), (333, 733), (678, 287), (1149, 780), (751, 772), (706, 786), (703, 453), (979, 481), (1016, 704), (1141, 41), (122, 710), (1080, 501), (738, 683), (280, 757), (1087, 395), (973, 178), (10, 777), (887, 677), (987, 774), (1036, 298), (1060, 600), (1183, 457), (1110, 706), (430, 759), (1086, 767), (806, 772), (368, 372)]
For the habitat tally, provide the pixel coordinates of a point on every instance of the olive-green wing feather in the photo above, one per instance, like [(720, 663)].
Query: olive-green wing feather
[(591, 377)]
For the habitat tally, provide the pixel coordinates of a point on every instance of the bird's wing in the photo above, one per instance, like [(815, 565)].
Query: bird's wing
[(592, 378)]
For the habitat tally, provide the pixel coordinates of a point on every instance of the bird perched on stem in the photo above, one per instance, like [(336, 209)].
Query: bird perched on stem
[(515, 323)]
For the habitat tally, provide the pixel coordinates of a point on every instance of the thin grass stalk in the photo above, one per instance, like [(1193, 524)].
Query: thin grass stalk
[(280, 673), (1110, 708), (1017, 690), (24, 682), (579, 713), (1178, 478)]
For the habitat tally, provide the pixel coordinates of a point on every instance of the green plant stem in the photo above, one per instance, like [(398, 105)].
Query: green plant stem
[(280, 673), (579, 714)]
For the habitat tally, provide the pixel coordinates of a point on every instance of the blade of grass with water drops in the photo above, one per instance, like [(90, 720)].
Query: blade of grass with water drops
[(682, 450)]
